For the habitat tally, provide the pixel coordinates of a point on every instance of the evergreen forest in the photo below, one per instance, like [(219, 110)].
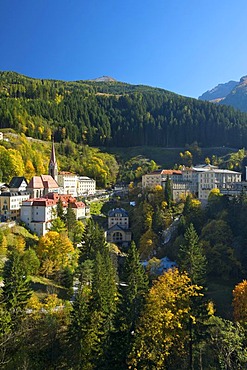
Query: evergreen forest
[(115, 114)]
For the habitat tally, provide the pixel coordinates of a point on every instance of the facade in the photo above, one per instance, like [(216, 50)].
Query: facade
[(40, 186), (10, 204), (85, 186), (38, 214), (158, 177), (198, 180), (216, 178), (118, 227), (68, 183)]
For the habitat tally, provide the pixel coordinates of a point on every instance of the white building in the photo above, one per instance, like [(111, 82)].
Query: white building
[(85, 186), (68, 183), (216, 178), (38, 214), (10, 204)]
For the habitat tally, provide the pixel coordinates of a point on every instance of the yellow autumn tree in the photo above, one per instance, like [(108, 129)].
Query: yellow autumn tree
[(30, 170), (163, 325), (240, 302), (56, 252), (147, 244)]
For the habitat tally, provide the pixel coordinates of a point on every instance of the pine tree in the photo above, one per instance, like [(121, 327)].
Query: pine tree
[(168, 192), (16, 290), (132, 294), (192, 258)]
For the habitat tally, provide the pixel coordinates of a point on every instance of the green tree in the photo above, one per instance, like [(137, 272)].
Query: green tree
[(16, 290), (168, 192), (191, 256)]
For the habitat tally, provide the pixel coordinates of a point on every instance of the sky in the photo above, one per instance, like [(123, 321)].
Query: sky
[(185, 46)]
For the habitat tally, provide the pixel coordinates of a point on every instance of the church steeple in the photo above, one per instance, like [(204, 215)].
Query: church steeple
[(53, 170)]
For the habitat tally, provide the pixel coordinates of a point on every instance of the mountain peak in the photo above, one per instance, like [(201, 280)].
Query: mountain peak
[(104, 79)]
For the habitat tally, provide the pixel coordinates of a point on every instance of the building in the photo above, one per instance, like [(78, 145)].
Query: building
[(1, 136), (216, 178), (67, 181), (38, 213), (10, 204), (118, 227), (18, 183), (39, 186), (85, 186), (159, 176)]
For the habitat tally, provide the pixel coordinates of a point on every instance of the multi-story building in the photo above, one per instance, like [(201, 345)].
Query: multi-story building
[(10, 204), (18, 183), (85, 186), (216, 178), (38, 213), (118, 227), (67, 182), (158, 177), (198, 180)]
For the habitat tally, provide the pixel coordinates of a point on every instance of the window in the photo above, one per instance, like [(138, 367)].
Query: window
[(117, 236)]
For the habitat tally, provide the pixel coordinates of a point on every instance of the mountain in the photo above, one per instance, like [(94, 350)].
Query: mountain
[(115, 114), (219, 92), (104, 79), (231, 93)]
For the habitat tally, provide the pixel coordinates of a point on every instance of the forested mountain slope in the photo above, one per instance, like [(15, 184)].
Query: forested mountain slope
[(114, 114)]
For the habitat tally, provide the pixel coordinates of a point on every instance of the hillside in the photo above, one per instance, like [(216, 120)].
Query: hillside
[(114, 114)]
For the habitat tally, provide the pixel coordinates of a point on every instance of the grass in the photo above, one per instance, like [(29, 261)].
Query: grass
[(43, 286), (165, 157)]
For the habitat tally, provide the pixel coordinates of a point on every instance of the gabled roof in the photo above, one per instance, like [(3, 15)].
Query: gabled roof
[(43, 182), (117, 228), (36, 183), (17, 181)]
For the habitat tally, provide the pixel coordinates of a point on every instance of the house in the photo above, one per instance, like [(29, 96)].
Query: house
[(38, 213), (10, 204), (18, 183), (118, 227)]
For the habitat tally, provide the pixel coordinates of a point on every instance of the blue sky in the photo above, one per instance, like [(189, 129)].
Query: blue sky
[(185, 46)]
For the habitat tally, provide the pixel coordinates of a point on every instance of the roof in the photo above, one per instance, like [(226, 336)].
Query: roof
[(35, 183), (118, 210), (17, 181), (171, 172), (49, 181), (117, 228), (43, 182)]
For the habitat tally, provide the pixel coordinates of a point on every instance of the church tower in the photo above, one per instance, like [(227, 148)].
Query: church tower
[(53, 170)]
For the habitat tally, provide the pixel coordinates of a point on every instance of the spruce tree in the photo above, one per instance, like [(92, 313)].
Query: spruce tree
[(16, 290), (191, 256), (168, 192), (133, 289)]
